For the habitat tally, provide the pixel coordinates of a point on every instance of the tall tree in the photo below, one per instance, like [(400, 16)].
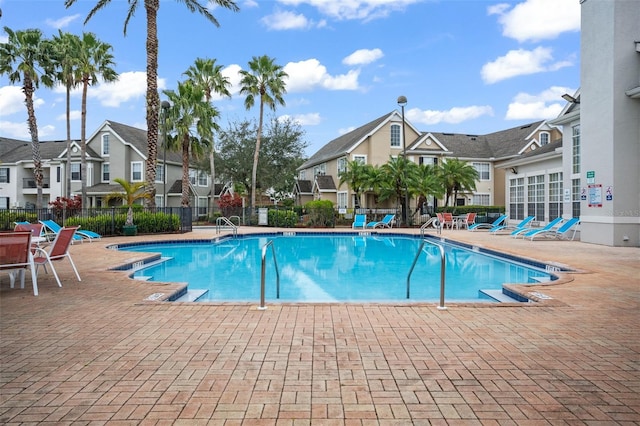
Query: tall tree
[(400, 175), (428, 184), (153, 100), (355, 177), (95, 63), (192, 119), (25, 57), (65, 61), (208, 75), (457, 176), (264, 80)]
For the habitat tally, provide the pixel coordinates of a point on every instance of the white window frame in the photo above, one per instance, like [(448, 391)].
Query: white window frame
[(545, 138), (555, 199), (516, 198), (479, 166), (395, 136), (361, 158), (320, 169), (575, 149), (203, 203), (342, 165), (160, 200), (102, 173), (481, 200), (193, 176), (302, 175), (76, 169), (5, 175), (134, 165), (342, 199), (202, 175), (160, 170), (536, 196), (105, 145)]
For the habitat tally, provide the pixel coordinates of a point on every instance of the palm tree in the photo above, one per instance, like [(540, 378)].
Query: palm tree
[(25, 57), (192, 121), (400, 174), (428, 183), (265, 79), (206, 74), (373, 180), (131, 192), (94, 62), (354, 176), (153, 100), (456, 176), (66, 46)]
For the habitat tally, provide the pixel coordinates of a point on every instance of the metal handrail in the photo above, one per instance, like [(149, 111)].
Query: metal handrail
[(436, 224), (223, 222), (442, 269), (262, 284)]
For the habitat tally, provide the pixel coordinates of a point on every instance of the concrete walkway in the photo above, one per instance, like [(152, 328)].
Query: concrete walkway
[(95, 352)]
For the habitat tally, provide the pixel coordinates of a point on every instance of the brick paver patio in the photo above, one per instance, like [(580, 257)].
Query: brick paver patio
[(95, 352)]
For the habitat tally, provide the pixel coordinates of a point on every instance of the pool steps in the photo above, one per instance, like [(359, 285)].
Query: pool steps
[(191, 295), (499, 296)]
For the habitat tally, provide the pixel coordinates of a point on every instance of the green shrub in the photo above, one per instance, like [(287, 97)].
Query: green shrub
[(320, 213), (282, 218)]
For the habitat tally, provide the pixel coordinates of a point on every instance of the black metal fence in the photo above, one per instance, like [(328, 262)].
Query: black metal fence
[(106, 221)]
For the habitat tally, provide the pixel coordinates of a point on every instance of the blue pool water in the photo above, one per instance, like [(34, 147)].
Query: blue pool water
[(332, 268)]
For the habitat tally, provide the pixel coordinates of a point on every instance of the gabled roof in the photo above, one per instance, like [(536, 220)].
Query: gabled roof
[(15, 151), (324, 183), (303, 186), (344, 143)]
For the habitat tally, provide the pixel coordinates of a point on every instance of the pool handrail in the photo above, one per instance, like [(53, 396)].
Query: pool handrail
[(442, 269), (268, 244), (226, 223)]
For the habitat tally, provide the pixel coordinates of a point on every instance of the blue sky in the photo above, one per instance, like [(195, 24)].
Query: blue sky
[(465, 66)]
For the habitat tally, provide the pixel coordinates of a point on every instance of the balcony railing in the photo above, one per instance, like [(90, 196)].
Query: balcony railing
[(30, 183)]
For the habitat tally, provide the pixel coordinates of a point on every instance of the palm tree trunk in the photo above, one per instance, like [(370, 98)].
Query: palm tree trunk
[(185, 171), (67, 168), (35, 143), (83, 142), (212, 163), (153, 100), (256, 156)]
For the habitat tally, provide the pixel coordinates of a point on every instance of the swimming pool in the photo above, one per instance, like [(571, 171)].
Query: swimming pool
[(344, 267)]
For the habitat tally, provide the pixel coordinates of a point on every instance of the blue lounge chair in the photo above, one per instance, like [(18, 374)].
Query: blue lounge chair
[(386, 222), (79, 236), (559, 233), (547, 227), (489, 226), (360, 221), (522, 225)]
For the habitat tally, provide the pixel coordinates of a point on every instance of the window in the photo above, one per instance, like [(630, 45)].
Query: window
[(555, 195), (481, 200), (4, 203), (192, 176), (58, 174), (516, 198), (320, 169), (575, 197), (202, 179), (136, 171), (360, 158), (159, 173), (483, 170), (575, 152), (535, 196), (342, 165), (544, 138), (342, 200), (105, 145), (4, 175), (432, 161), (202, 205), (302, 175), (160, 201), (75, 172), (106, 177), (395, 136)]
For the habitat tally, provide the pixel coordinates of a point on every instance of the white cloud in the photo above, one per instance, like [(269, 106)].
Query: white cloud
[(545, 105), (130, 85), (309, 74), (285, 20), (11, 100), (534, 20), (62, 22), (521, 62), (73, 115), (363, 57), (454, 115), (20, 130), (365, 10), (311, 119)]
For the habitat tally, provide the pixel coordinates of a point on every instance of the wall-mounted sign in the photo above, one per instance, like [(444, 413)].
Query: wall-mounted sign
[(595, 195), (608, 194), (591, 176)]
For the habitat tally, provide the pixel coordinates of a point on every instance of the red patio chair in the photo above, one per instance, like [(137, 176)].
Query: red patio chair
[(16, 256), (58, 250)]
